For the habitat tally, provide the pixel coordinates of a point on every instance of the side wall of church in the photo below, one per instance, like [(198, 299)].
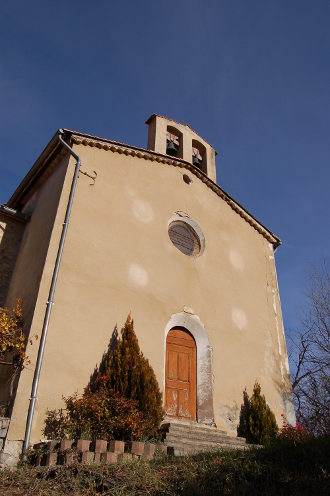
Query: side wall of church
[(11, 231), (30, 268), (118, 258)]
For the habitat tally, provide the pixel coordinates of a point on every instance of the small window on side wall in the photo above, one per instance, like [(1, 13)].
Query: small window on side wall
[(199, 156), (173, 142)]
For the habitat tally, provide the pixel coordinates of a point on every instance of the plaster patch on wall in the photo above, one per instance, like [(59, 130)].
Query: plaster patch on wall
[(239, 318), (282, 372), (286, 361), (236, 260), (289, 410), (143, 211), (229, 417), (276, 323), (204, 376), (138, 275), (269, 356)]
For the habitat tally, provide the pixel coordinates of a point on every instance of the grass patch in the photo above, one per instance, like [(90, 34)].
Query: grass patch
[(281, 469)]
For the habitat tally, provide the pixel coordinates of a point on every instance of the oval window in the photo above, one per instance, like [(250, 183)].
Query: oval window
[(184, 237)]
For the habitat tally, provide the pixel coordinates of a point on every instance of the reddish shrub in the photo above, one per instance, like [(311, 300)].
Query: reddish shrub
[(101, 414), (294, 434)]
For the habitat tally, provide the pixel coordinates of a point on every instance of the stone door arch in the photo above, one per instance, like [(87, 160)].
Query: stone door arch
[(204, 386)]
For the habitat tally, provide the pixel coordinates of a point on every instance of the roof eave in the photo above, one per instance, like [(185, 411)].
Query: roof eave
[(54, 146), (14, 214), (35, 171), (113, 145)]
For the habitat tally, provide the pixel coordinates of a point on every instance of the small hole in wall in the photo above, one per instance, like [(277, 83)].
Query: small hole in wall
[(187, 179)]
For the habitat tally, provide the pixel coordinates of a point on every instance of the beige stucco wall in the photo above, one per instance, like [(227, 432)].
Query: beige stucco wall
[(118, 259)]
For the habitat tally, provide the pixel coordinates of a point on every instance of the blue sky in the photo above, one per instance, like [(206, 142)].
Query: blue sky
[(253, 78)]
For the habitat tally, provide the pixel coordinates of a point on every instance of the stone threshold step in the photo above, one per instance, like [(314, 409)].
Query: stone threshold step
[(199, 436), (181, 450), (193, 443), (201, 432), (189, 426), (178, 440)]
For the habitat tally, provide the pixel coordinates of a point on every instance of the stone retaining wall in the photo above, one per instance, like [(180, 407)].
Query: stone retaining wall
[(65, 452), (4, 425), (10, 451)]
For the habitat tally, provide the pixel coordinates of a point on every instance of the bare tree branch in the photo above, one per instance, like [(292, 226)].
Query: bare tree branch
[(310, 355)]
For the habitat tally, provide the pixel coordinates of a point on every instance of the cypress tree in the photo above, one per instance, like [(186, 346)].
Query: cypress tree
[(257, 421), (242, 428), (129, 373)]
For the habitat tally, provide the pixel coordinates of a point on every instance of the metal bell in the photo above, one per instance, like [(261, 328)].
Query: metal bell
[(196, 162), (171, 149)]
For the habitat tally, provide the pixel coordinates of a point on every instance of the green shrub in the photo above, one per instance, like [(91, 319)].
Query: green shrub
[(257, 421)]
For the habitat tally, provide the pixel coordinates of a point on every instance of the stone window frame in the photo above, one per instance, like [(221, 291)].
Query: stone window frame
[(184, 218)]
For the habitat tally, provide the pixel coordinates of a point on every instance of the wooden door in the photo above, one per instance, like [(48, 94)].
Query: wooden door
[(180, 375)]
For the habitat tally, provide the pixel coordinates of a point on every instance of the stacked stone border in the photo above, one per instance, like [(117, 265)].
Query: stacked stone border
[(4, 425), (66, 452)]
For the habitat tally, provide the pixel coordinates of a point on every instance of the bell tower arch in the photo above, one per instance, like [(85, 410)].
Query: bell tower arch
[(169, 137)]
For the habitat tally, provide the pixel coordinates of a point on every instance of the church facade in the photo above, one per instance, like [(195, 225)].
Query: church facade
[(150, 233)]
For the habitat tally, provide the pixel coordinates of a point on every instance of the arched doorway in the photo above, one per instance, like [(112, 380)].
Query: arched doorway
[(180, 374), (192, 323)]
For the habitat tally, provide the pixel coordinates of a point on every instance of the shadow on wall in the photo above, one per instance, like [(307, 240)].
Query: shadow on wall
[(101, 368), (11, 233), (10, 239)]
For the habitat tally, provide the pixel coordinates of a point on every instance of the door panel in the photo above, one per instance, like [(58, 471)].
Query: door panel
[(172, 364), (184, 366), (171, 402), (180, 375), (183, 405)]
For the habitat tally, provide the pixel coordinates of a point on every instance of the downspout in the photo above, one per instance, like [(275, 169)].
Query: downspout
[(50, 301)]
